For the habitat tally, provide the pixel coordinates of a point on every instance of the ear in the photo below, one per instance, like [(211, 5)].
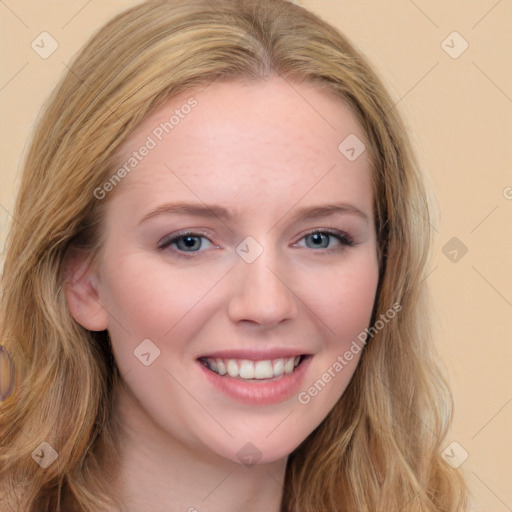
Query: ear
[(81, 287)]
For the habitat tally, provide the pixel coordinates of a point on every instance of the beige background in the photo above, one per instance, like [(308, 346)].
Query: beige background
[(459, 113)]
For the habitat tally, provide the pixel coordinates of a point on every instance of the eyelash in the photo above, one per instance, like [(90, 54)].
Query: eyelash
[(343, 238)]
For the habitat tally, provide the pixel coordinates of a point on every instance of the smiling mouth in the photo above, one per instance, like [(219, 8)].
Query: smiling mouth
[(248, 370)]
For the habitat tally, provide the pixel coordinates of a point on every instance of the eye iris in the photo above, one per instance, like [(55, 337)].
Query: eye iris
[(189, 242), (319, 240)]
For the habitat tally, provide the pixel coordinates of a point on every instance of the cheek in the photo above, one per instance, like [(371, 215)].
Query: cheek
[(352, 309), (345, 296), (147, 298), (344, 306)]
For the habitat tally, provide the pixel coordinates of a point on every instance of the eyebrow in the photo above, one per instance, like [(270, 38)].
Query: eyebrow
[(207, 211)]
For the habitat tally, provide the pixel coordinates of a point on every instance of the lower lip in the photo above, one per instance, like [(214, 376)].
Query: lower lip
[(264, 392)]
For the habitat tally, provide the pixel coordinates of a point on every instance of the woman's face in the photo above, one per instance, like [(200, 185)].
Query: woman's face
[(238, 242)]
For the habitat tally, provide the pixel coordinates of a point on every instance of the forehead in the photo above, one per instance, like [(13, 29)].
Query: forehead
[(247, 138)]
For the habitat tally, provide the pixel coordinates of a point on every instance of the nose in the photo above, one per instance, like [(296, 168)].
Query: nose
[(262, 292)]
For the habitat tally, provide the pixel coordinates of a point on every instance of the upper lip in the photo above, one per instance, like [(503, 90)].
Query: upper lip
[(255, 354)]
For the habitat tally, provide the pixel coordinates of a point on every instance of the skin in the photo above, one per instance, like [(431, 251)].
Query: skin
[(263, 151)]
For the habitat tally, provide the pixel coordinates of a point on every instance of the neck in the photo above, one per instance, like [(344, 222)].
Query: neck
[(159, 473)]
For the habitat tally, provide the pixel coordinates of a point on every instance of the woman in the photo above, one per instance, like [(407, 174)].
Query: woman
[(214, 295)]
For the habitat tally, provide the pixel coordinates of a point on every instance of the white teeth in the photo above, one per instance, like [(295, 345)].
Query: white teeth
[(289, 365), (278, 367), (246, 369), (263, 370), (221, 367), (250, 370), (232, 368)]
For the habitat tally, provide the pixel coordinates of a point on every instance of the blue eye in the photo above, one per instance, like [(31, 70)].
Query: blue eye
[(185, 242), (323, 239)]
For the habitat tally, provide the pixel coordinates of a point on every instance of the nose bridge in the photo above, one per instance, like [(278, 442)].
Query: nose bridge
[(261, 294), (262, 273)]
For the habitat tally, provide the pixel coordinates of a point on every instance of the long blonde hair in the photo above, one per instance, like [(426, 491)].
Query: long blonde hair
[(379, 447)]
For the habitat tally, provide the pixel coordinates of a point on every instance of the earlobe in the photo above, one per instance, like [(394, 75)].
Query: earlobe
[(81, 288)]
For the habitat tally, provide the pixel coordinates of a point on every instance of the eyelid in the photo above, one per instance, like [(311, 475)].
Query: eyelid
[(343, 236), (172, 237)]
